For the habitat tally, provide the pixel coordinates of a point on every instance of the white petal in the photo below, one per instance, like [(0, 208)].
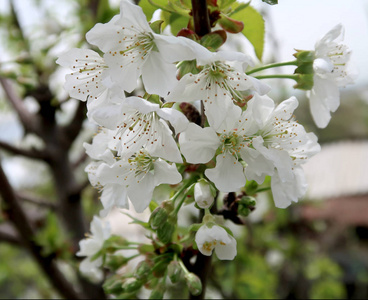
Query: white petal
[(198, 145), (165, 173), (158, 76), (228, 251), (140, 192), (177, 119), (228, 175)]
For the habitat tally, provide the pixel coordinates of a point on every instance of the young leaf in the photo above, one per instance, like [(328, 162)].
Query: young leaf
[(254, 28), (271, 2)]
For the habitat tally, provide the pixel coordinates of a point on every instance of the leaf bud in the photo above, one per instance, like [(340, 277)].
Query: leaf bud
[(194, 284)]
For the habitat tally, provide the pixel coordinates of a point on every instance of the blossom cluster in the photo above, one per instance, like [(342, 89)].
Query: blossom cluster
[(145, 140)]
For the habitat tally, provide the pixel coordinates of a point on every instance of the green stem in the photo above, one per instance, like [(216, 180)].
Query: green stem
[(288, 63), (184, 268), (294, 77), (175, 212), (183, 187)]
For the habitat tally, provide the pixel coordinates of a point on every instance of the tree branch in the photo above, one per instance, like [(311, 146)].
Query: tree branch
[(21, 222), (28, 120), (9, 234), (36, 154), (36, 201), (72, 130)]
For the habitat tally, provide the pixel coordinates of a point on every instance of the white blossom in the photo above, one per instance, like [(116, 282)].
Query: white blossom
[(215, 237), (132, 49), (219, 84), (135, 178), (89, 247), (331, 71), (138, 123)]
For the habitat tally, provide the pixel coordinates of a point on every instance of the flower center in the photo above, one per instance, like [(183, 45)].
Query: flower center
[(142, 162), (232, 143), (221, 74)]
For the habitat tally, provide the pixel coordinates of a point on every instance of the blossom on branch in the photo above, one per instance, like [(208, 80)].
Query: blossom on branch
[(331, 71), (209, 238), (90, 246)]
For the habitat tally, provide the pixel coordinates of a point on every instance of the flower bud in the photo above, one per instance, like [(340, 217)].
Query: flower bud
[(158, 217), (132, 284), (114, 243), (246, 205), (305, 60), (174, 271), (158, 292), (115, 262), (194, 284), (113, 285), (165, 232), (142, 271), (202, 194)]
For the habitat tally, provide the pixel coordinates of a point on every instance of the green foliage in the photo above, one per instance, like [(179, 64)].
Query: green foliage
[(271, 2), (254, 28)]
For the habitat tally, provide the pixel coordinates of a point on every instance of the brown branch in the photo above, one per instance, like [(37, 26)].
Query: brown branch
[(201, 17), (26, 232), (28, 120), (9, 234), (36, 201), (72, 130), (36, 154)]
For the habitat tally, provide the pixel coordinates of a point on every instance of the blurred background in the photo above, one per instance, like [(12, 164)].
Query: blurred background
[(315, 249)]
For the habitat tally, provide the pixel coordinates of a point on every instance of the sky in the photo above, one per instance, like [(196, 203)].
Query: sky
[(300, 23)]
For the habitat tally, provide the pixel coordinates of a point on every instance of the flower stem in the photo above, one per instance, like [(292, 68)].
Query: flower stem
[(183, 187), (294, 77), (288, 63)]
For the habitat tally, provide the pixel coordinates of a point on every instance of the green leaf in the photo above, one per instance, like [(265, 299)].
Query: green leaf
[(271, 2), (230, 25), (213, 40), (149, 9), (176, 21), (254, 28)]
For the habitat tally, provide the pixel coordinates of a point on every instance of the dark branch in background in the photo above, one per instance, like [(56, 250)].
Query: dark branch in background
[(36, 154), (35, 200), (28, 120), (47, 263), (72, 130), (9, 235)]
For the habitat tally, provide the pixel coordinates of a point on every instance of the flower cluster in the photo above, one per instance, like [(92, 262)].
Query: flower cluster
[(145, 141)]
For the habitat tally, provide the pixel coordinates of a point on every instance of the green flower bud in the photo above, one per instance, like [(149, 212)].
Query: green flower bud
[(143, 270), (174, 271), (246, 205), (158, 217), (305, 70), (194, 284), (114, 243), (158, 292), (113, 285), (165, 232), (132, 285), (115, 262)]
